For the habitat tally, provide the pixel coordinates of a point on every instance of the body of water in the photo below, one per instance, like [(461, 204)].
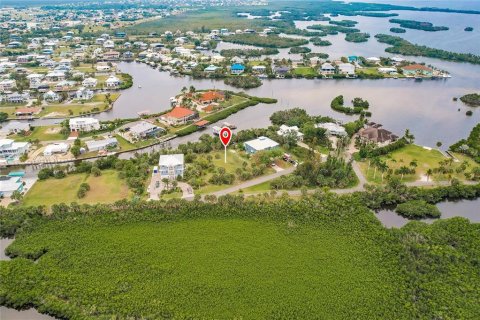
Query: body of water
[(469, 209)]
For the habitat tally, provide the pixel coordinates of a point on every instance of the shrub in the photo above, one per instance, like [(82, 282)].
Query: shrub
[(416, 209)]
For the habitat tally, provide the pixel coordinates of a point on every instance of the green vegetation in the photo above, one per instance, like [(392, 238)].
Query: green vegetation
[(317, 41), (359, 106), (43, 133), (418, 25), (307, 72), (332, 29), (299, 50), (106, 262), (398, 30), (344, 23), (245, 82), (401, 46), (471, 145), (270, 41), (417, 209), (106, 188), (357, 37), (248, 53), (468, 29), (472, 99)]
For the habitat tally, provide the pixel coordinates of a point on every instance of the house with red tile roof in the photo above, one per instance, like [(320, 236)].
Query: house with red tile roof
[(179, 115), (211, 96)]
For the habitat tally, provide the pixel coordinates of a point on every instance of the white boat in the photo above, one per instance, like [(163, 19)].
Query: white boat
[(139, 86)]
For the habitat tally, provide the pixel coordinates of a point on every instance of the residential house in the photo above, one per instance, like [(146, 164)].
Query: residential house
[(237, 68), (332, 129), (260, 144), (14, 127), (259, 69), (84, 94), (376, 134), (10, 149), (211, 68), (179, 115), (17, 97), (171, 166), (111, 55), (373, 60), (56, 148), (105, 144), (347, 69), (28, 111), (64, 85), (51, 96), (112, 82), (10, 184), (109, 44), (281, 71), (285, 130), (417, 70), (144, 129), (327, 69), (55, 76), (89, 82), (7, 85), (103, 67), (35, 79), (84, 124), (208, 97)]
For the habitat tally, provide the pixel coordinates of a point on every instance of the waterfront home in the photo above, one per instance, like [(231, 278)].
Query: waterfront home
[(397, 60), (417, 70), (374, 133), (109, 44), (83, 94), (127, 55), (56, 148), (332, 129), (89, 82), (260, 144), (84, 124), (285, 130), (327, 69), (144, 129), (28, 111), (259, 69), (103, 67), (387, 70), (51, 96), (10, 184), (217, 59), (10, 149), (211, 68), (352, 58), (17, 97), (171, 166), (98, 145), (111, 55), (208, 97), (347, 69), (7, 85), (373, 60), (112, 82), (14, 127), (237, 68), (179, 115), (281, 71)]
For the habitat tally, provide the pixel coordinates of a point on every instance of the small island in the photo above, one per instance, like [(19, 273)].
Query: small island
[(468, 29), (418, 25), (398, 30), (299, 50), (472, 99), (319, 42), (357, 37)]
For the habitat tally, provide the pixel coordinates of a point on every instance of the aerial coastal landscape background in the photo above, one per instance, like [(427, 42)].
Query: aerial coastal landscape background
[(239, 159)]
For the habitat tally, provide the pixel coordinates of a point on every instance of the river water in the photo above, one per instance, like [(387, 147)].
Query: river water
[(469, 209)]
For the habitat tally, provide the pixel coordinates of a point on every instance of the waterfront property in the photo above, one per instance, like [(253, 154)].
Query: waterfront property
[(179, 116), (84, 124), (332, 129), (104, 144), (237, 68), (15, 127), (11, 150), (285, 130), (260, 144), (171, 166), (376, 134), (56, 148), (413, 70), (144, 129), (10, 184)]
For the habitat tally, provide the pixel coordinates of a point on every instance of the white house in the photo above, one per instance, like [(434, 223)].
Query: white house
[(56, 148), (286, 130), (327, 69), (112, 82), (89, 82), (10, 149), (97, 145), (260, 144), (55, 76), (84, 124), (35, 79), (51, 96), (15, 127), (373, 60), (10, 184), (84, 94), (144, 129), (332, 128), (171, 166), (346, 69), (7, 85)]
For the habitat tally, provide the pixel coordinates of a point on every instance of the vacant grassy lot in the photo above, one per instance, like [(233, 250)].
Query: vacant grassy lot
[(44, 133), (103, 189), (425, 159), (305, 71)]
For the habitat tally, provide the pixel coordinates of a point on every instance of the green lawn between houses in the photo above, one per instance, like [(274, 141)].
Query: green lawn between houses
[(103, 189)]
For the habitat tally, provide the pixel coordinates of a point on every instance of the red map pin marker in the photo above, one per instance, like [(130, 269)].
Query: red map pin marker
[(225, 136)]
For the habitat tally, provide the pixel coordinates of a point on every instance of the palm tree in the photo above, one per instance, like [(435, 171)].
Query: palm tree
[(409, 136), (429, 173), (383, 167)]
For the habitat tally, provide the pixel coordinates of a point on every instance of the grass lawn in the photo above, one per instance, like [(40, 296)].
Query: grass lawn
[(232, 101), (305, 71), (44, 133), (426, 159), (103, 189)]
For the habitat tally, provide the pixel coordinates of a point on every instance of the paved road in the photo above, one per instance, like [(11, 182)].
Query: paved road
[(254, 182)]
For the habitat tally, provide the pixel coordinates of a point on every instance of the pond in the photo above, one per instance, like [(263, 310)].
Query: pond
[(469, 209)]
